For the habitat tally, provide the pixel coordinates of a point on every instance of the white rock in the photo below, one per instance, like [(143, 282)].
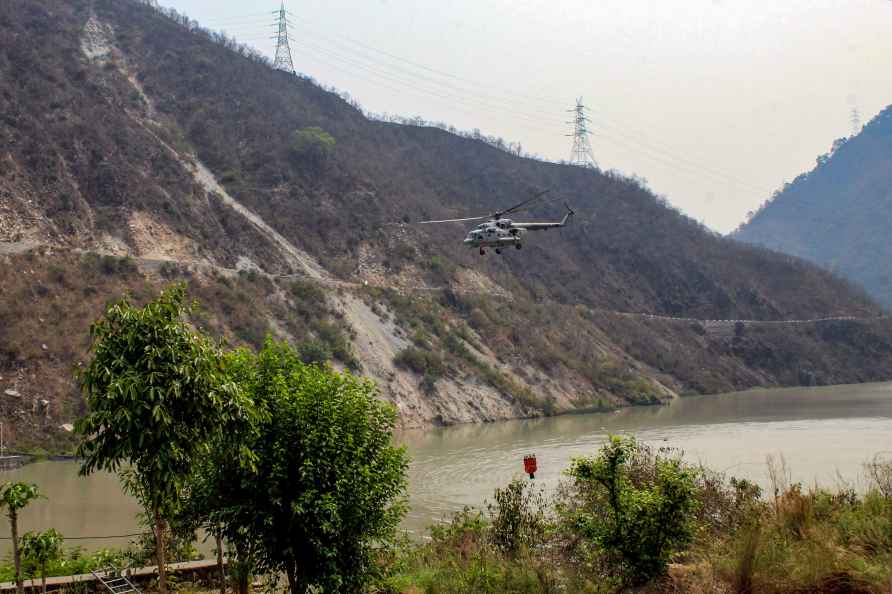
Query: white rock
[(67, 427), (13, 393)]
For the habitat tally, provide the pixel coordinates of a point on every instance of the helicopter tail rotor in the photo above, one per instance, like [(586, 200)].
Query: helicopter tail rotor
[(567, 216)]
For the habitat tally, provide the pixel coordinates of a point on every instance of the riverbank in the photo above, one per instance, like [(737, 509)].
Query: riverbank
[(13, 461)]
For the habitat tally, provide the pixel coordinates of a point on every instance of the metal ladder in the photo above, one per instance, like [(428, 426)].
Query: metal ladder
[(114, 580)]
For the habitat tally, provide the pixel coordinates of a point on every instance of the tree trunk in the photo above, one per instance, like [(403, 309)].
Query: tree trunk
[(243, 582), (292, 578), (16, 555), (159, 551), (220, 562), (241, 569), (43, 579)]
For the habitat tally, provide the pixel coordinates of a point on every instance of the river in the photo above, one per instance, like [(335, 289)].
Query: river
[(825, 434)]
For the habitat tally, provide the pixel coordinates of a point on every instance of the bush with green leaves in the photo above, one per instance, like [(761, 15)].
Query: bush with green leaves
[(518, 516), (313, 144), (461, 558), (314, 351), (39, 549), (635, 507), (75, 561), (428, 364)]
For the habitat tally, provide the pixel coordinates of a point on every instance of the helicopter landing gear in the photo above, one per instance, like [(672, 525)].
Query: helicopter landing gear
[(482, 252), (498, 251)]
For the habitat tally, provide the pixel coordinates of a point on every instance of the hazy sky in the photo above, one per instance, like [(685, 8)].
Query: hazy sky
[(715, 102)]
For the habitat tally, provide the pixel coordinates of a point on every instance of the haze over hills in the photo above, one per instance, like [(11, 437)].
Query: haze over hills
[(838, 215), (136, 151)]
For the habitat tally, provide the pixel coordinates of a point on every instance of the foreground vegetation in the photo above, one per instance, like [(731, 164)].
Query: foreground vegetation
[(638, 520), (629, 519), (288, 463)]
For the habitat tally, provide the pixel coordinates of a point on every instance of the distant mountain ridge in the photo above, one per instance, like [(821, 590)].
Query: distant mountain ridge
[(136, 150), (838, 215)]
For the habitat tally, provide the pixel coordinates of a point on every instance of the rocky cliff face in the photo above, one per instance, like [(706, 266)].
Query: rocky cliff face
[(136, 151)]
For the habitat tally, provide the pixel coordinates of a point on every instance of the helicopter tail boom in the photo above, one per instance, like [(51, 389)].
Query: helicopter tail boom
[(539, 226)]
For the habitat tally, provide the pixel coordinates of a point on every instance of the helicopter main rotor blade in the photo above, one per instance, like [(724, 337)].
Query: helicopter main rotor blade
[(528, 203), (452, 220)]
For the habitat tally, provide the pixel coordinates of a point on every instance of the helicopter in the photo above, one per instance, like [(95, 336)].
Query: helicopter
[(499, 232)]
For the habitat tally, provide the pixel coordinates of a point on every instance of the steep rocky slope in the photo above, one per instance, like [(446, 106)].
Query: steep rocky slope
[(136, 151), (839, 215)]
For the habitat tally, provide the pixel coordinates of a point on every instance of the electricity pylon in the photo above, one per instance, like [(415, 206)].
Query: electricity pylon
[(581, 154), (283, 48)]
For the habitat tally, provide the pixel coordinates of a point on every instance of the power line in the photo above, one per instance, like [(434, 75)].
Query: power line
[(476, 84), (666, 154), (107, 537), (448, 90), (356, 68)]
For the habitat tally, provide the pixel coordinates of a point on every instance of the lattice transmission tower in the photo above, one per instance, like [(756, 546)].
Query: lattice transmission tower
[(581, 154), (283, 48), (855, 119)]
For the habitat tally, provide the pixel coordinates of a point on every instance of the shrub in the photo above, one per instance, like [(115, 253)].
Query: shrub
[(313, 144), (313, 351), (518, 516), (309, 294), (111, 265), (169, 270), (421, 362), (634, 506), (879, 471), (336, 342)]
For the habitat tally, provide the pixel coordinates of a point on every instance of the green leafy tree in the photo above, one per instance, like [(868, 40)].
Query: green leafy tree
[(39, 549), (14, 497), (201, 507), (328, 488), (313, 143), (635, 507), (212, 498), (156, 393)]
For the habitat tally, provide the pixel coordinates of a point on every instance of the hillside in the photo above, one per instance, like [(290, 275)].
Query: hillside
[(838, 215), (135, 151)]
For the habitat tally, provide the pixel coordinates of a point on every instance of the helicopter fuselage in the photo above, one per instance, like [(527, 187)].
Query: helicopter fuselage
[(500, 232), (496, 234)]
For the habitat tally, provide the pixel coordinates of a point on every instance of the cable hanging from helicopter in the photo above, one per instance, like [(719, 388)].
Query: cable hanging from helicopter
[(499, 232)]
